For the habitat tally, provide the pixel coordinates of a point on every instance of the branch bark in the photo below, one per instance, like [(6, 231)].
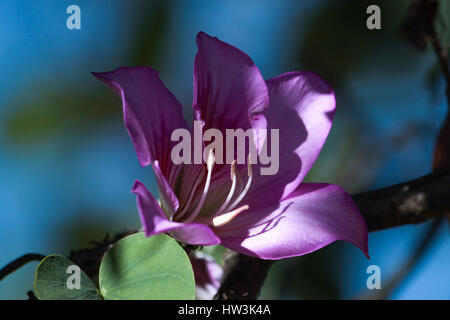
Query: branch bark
[(411, 202)]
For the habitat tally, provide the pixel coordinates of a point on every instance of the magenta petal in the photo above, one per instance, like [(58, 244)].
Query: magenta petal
[(302, 107), (196, 234), (229, 91), (153, 218), (312, 217), (155, 221), (150, 111)]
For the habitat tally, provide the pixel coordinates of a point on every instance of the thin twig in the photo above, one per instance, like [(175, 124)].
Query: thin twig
[(441, 54), (418, 28), (19, 262)]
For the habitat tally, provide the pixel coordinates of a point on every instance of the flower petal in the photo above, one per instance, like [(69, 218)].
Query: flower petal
[(169, 200), (150, 111), (229, 91), (312, 217), (195, 233), (301, 107), (155, 221)]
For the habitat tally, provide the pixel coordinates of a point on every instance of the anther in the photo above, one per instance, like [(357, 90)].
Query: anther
[(227, 217)]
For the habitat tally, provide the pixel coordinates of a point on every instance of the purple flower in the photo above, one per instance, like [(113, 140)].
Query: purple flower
[(266, 216)]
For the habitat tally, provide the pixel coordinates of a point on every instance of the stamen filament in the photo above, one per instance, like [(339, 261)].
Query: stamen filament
[(191, 195), (209, 165), (247, 186), (231, 192)]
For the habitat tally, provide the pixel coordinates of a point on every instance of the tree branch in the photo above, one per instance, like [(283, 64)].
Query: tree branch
[(414, 201), (411, 202)]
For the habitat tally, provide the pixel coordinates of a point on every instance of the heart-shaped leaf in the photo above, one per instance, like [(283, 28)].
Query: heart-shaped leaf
[(58, 278), (153, 268)]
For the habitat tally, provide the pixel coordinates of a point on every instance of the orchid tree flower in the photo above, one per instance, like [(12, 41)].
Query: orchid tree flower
[(265, 216)]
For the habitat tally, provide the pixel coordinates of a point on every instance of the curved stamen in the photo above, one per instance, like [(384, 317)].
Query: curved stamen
[(173, 169), (191, 195), (247, 186), (227, 217), (231, 192), (209, 165)]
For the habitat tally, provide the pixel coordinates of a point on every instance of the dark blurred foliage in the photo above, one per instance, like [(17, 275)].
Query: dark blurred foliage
[(55, 110), (306, 277), (150, 25), (336, 45), (50, 112), (85, 229)]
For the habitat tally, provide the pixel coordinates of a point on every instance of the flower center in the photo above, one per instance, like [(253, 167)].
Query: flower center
[(226, 212), (221, 217), (209, 165)]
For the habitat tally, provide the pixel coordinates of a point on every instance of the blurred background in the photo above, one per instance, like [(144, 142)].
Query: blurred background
[(67, 164)]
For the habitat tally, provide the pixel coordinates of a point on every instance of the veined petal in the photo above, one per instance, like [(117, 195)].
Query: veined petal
[(155, 221), (301, 107), (150, 111), (313, 216), (229, 91)]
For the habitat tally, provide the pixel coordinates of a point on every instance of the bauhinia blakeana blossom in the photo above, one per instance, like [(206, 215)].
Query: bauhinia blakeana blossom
[(261, 215)]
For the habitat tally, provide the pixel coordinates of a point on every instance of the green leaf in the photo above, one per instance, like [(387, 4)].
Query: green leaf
[(142, 268), (54, 277)]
